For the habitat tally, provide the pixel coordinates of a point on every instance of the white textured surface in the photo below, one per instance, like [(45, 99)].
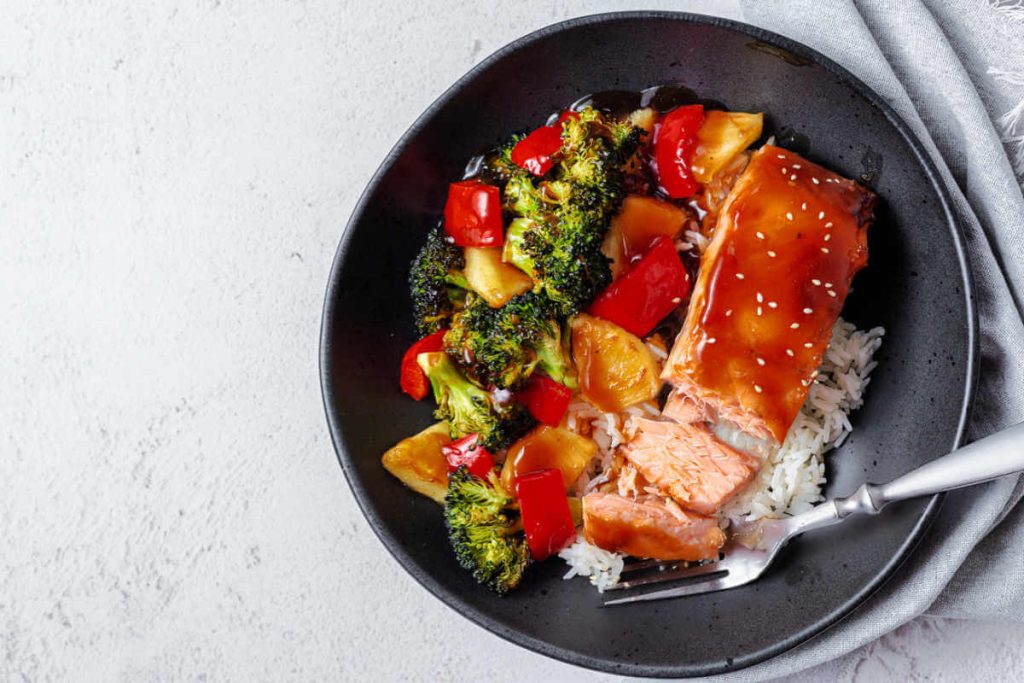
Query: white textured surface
[(174, 180)]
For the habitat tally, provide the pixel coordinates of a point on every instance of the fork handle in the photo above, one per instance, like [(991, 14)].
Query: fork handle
[(994, 456)]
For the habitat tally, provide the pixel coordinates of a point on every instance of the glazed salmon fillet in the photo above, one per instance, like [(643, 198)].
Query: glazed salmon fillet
[(687, 462), (649, 526), (787, 243)]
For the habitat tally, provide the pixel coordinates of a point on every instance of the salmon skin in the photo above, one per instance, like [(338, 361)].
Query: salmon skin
[(786, 246), (688, 463), (649, 527)]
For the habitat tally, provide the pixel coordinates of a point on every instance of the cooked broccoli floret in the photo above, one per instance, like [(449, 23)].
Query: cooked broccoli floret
[(497, 167), (487, 540), (554, 358), (567, 214), (470, 409), (436, 282), (496, 346)]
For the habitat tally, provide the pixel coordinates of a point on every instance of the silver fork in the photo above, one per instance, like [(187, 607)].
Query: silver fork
[(753, 547)]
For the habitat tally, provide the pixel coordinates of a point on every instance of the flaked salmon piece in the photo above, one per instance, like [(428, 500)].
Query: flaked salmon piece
[(688, 463), (788, 240), (649, 527), (682, 408)]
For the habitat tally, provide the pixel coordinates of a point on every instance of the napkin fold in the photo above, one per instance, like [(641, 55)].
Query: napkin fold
[(948, 67)]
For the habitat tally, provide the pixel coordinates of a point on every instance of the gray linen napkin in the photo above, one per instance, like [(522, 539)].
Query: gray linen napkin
[(929, 59)]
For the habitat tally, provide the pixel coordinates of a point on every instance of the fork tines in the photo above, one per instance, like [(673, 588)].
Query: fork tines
[(666, 571)]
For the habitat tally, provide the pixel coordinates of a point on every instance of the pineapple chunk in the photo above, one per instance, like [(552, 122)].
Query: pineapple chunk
[(616, 369), (492, 278), (547, 447), (418, 462), (642, 219), (723, 135)]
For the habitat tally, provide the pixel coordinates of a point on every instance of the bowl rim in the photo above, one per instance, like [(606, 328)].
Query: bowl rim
[(465, 607)]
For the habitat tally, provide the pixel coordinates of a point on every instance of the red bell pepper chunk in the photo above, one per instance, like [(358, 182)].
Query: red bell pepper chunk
[(536, 151), (545, 512), (674, 144), (546, 399), (647, 292), (412, 379), (472, 214), (467, 451)]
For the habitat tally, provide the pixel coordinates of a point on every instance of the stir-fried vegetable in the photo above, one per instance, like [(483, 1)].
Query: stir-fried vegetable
[(546, 399), (419, 463), (545, 447), (467, 452), (413, 381), (436, 282), (647, 292), (493, 279), (472, 215), (674, 148), (485, 535), (470, 409), (545, 510), (723, 135), (567, 213), (616, 370)]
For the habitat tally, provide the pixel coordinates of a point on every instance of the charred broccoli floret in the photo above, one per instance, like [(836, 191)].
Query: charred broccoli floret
[(497, 167), (436, 282), (497, 345), (470, 409), (565, 216), (487, 540)]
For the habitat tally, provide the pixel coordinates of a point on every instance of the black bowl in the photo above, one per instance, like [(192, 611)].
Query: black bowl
[(917, 286)]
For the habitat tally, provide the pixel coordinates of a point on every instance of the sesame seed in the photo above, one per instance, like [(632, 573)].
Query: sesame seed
[(803, 207), (821, 214), (815, 181), (728, 313), (828, 285), (711, 340), (828, 236), (814, 374), (832, 293), (771, 253), (824, 250), (816, 281), (808, 345), (789, 352), (759, 297), (760, 235), (773, 304), (760, 361), (796, 165), (792, 177), (805, 382), (757, 388), (780, 156), (739, 276), (808, 311), (795, 326), (828, 225), (759, 310), (676, 300), (785, 171), (789, 216)]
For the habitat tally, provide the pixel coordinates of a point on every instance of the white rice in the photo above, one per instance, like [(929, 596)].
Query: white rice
[(793, 474), (585, 559)]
